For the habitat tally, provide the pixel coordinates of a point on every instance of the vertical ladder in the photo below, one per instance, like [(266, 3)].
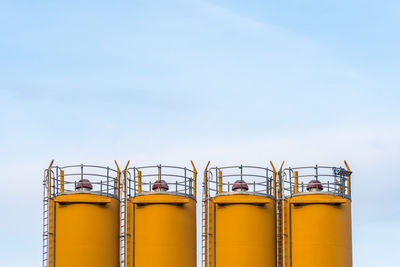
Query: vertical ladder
[(123, 222), (45, 245), (204, 230), (279, 222)]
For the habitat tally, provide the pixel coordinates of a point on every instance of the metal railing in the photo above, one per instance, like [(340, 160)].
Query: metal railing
[(260, 180), (180, 180), (104, 180), (334, 180)]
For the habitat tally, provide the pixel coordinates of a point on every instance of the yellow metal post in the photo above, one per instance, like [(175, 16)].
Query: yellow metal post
[(296, 182), (348, 179), (62, 180), (118, 177), (219, 181), (194, 178), (139, 181), (340, 185)]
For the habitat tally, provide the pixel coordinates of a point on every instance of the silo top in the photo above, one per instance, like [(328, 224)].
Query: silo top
[(317, 180)]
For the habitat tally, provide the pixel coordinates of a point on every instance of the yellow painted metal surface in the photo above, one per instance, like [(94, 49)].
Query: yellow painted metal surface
[(161, 231), (50, 221), (318, 231), (242, 231), (86, 231)]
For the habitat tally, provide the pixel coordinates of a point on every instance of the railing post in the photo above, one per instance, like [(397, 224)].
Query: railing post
[(62, 181), (194, 179), (108, 178), (296, 182), (348, 180), (186, 182), (57, 181), (219, 181), (159, 178), (118, 182), (139, 182)]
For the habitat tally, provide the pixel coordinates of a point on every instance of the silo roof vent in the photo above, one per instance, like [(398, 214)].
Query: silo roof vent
[(240, 185), (161, 185), (315, 185), (84, 184)]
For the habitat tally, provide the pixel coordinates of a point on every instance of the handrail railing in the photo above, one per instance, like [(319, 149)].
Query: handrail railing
[(332, 180), (179, 180), (259, 180), (61, 180)]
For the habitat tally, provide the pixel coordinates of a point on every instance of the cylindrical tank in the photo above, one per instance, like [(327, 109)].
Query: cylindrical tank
[(84, 212), (161, 217), (318, 218), (240, 217)]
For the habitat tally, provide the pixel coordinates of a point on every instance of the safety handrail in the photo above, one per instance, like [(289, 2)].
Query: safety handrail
[(179, 180), (61, 180), (220, 180), (332, 180)]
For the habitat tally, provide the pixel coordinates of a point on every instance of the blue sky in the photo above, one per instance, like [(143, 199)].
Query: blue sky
[(227, 81)]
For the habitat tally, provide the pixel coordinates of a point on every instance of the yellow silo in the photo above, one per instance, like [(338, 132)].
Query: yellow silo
[(239, 219), (81, 216), (161, 217), (317, 217)]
